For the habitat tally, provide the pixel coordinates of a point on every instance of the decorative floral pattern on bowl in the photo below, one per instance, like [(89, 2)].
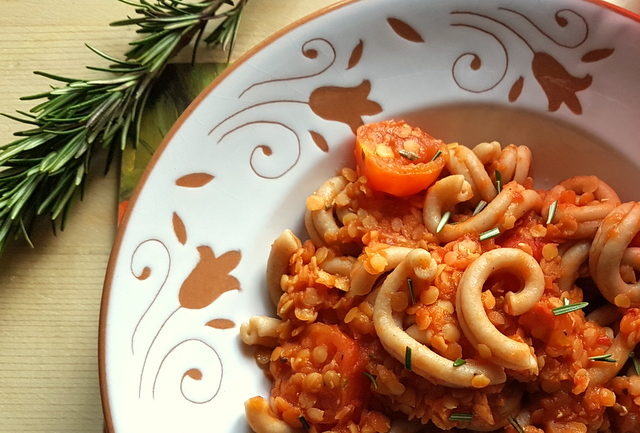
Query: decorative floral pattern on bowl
[(188, 264)]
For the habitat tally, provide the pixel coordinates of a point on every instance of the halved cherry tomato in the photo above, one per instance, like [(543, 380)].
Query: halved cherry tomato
[(397, 158)]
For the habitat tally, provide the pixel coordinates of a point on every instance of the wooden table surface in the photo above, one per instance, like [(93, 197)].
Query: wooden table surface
[(50, 296)]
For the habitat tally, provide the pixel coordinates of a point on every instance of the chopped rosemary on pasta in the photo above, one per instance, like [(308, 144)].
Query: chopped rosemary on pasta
[(372, 379), (393, 305), (552, 211), (515, 424), (490, 234), (569, 308), (412, 292), (603, 358), (443, 221), (460, 417), (481, 205), (407, 358), (459, 362)]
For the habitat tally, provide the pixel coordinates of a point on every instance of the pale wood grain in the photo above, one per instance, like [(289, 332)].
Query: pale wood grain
[(49, 297)]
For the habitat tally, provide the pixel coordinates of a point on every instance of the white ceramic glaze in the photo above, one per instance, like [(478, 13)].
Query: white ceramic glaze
[(188, 267)]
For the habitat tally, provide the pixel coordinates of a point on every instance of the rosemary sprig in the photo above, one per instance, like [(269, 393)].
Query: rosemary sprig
[(46, 167)]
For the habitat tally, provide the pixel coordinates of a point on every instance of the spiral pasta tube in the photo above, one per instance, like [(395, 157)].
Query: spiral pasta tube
[(473, 319), (608, 251), (513, 201), (426, 363)]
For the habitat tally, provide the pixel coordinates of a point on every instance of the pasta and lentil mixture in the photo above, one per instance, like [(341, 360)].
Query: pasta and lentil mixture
[(439, 290)]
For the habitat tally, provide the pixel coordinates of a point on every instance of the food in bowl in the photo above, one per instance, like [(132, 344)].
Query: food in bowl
[(439, 287)]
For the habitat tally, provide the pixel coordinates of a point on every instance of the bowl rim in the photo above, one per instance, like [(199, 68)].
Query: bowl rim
[(115, 250)]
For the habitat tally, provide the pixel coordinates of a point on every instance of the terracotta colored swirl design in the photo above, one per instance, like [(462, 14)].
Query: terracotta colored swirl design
[(267, 151), (146, 273), (210, 388), (309, 52), (558, 84), (205, 283), (344, 104)]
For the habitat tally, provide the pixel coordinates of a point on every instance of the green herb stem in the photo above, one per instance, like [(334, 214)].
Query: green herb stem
[(479, 208), (407, 358), (515, 424), (443, 221), (372, 378), (569, 308), (498, 181), (603, 358), (47, 167), (459, 362), (412, 293), (490, 234), (409, 155), (461, 417), (552, 212)]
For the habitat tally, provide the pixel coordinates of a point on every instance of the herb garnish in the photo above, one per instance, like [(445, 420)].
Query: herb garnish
[(479, 208), (569, 308), (460, 417), (407, 154), (552, 211), (498, 181), (459, 362), (304, 422), (412, 293), (407, 358), (490, 234), (515, 424), (603, 358), (443, 221), (372, 378), (636, 363)]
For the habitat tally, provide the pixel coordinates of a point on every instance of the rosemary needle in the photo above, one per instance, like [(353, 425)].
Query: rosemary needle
[(47, 166), (490, 234), (460, 417), (569, 308), (412, 293), (407, 358), (372, 378), (479, 208), (459, 362), (603, 358), (443, 221)]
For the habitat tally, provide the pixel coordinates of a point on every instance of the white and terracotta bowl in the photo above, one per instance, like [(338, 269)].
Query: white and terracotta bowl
[(561, 76)]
